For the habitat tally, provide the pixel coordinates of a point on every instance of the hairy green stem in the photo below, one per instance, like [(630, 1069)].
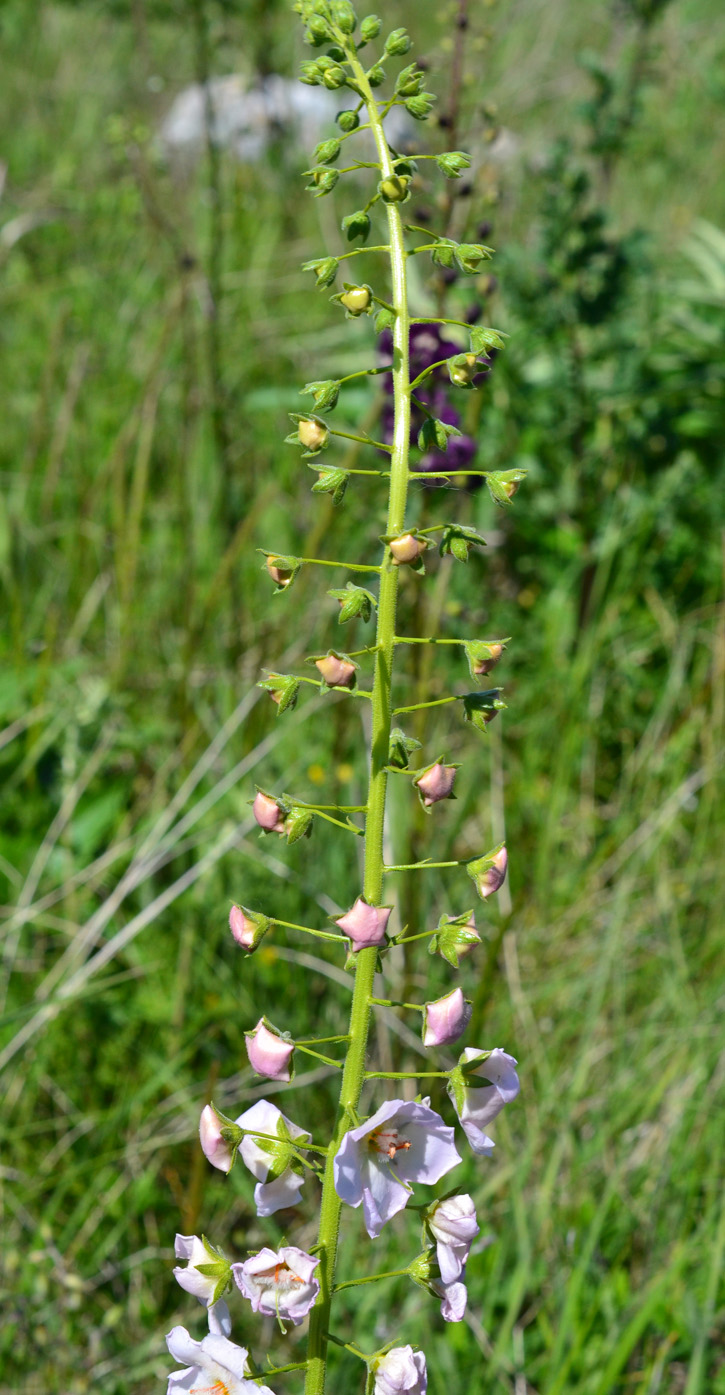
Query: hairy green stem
[(354, 1071)]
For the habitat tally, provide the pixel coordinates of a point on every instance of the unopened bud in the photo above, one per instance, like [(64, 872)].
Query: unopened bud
[(398, 43), (219, 1138), (364, 924), (282, 574), (395, 189), (370, 28), (336, 672), (270, 1054), (312, 434), (446, 1019), (334, 78), (357, 299), (436, 783), (463, 369), (348, 121), (268, 813), (407, 548), (454, 937), (489, 871), (483, 655), (248, 927)]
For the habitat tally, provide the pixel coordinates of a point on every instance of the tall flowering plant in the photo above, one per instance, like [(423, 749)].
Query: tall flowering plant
[(374, 1159)]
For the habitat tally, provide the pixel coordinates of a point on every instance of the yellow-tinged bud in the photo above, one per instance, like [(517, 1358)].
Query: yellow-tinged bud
[(395, 188), (312, 434), (407, 548), (282, 575), (357, 300), (463, 369)]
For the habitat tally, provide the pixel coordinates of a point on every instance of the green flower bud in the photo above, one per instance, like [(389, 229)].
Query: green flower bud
[(357, 299), (325, 271), (298, 824), (334, 78), (458, 539), (354, 601), (469, 256), (327, 151), (344, 16), (421, 106), (318, 31), (483, 339), (454, 937), (409, 81), (348, 120), (283, 688), (370, 28), (503, 484), (310, 73), (357, 225), (324, 393), (452, 163), (395, 189), (322, 180), (401, 748), (435, 434), (481, 708), (333, 482), (483, 655), (462, 369), (376, 75), (398, 43)]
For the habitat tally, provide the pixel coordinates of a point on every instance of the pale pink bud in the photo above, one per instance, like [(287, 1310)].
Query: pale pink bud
[(365, 925), (407, 548), (215, 1148), (268, 813), (436, 783), (282, 575), (269, 1053), (248, 927), (494, 876), (337, 673), (489, 661), (446, 1019)]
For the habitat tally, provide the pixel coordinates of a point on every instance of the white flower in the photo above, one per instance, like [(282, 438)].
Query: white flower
[(213, 1364), (401, 1371), (454, 1227), (376, 1162), (202, 1286), (454, 1299), (279, 1283), (262, 1156), (477, 1106)]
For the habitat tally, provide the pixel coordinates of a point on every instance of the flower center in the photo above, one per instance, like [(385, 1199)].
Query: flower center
[(218, 1388), (388, 1142), (280, 1278)]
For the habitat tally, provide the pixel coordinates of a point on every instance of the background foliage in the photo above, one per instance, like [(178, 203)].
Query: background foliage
[(141, 466)]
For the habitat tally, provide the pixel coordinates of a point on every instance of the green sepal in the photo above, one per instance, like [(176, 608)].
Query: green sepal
[(357, 225), (456, 1089), (424, 1269), (354, 601), (480, 865), (219, 1269), (420, 106), (398, 43), (409, 81), (288, 688), (322, 178), (308, 452), (325, 268), (462, 371), (370, 28), (444, 252), (435, 434), (477, 649), (458, 539), (452, 163), (503, 484), (335, 78), (292, 565), (376, 75), (481, 708), (401, 749), (454, 937), (483, 339), (469, 256), (385, 319), (327, 151), (298, 824), (310, 73), (324, 393), (347, 121), (468, 1068), (330, 481)]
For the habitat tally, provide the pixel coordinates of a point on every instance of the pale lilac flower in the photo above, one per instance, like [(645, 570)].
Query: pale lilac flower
[(215, 1147), (376, 1162), (213, 1364), (401, 1371), (259, 1156), (279, 1283), (202, 1286), (269, 1053), (365, 925), (268, 813), (446, 1019), (454, 1299), (454, 1227), (436, 783), (477, 1106)]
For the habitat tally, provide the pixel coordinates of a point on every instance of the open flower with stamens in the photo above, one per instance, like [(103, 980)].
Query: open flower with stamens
[(478, 1105), (214, 1365), (453, 1225), (279, 1283), (401, 1371), (364, 925), (269, 1053), (278, 1172), (376, 1162)]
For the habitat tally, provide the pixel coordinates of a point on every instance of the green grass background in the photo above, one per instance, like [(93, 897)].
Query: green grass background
[(141, 466)]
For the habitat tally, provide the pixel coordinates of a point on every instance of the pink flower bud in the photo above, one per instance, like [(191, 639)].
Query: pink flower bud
[(312, 434), (248, 927), (365, 925), (407, 548), (446, 1019), (337, 672), (485, 663), (268, 813), (215, 1148), (489, 871), (282, 575), (436, 783), (269, 1053)]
